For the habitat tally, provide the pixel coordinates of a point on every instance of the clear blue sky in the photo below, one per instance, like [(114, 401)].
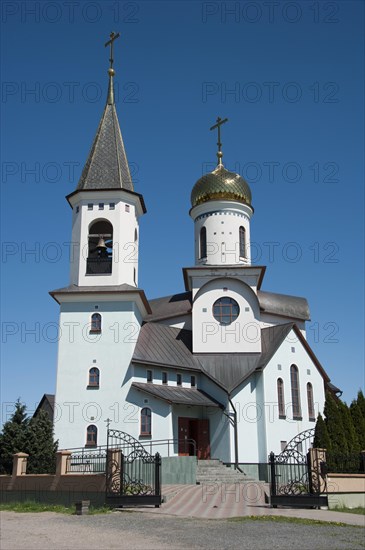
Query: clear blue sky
[(290, 80)]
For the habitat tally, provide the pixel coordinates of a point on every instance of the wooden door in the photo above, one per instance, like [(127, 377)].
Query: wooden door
[(203, 440), (184, 435)]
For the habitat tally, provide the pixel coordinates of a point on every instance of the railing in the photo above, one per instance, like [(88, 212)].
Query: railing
[(189, 446), (87, 461), (97, 266)]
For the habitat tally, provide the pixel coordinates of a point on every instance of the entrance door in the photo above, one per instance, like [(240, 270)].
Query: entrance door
[(197, 430)]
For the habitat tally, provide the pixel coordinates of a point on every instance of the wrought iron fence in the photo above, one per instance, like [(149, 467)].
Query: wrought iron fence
[(87, 461)]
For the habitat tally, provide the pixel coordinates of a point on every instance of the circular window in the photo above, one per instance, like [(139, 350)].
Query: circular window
[(225, 310)]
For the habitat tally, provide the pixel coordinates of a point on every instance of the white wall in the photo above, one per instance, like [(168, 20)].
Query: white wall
[(222, 220), (242, 335), (112, 351), (285, 429)]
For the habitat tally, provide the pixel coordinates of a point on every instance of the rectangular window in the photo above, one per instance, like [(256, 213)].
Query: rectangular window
[(179, 379), (77, 209), (164, 378), (101, 206), (149, 376), (112, 206), (192, 381), (127, 207), (90, 206)]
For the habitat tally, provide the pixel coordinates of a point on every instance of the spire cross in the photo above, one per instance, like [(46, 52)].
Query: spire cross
[(219, 143), (113, 36)]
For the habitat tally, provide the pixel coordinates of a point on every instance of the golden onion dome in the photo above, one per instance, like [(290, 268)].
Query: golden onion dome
[(221, 184)]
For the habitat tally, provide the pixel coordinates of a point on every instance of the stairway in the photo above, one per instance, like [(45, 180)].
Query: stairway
[(214, 471)]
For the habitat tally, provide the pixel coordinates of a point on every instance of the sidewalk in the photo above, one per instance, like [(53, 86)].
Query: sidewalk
[(217, 501)]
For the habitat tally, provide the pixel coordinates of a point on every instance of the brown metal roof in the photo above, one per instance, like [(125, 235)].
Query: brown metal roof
[(171, 347), (178, 395)]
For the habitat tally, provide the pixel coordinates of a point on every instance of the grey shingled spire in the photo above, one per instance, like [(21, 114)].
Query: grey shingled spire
[(107, 165)]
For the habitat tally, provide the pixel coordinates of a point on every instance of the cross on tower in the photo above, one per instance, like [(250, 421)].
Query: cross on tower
[(219, 143), (113, 36)]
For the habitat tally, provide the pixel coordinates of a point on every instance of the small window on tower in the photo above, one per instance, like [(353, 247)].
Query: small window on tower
[(77, 209), (178, 380), (127, 207), (101, 206), (112, 206), (90, 206), (164, 378), (95, 323), (192, 381), (149, 376)]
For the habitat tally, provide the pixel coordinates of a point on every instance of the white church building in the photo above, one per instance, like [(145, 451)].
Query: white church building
[(221, 370)]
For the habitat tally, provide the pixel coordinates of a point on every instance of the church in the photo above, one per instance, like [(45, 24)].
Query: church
[(222, 370)]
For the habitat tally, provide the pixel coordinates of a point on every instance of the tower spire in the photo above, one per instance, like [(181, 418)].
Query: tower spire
[(218, 126), (111, 71)]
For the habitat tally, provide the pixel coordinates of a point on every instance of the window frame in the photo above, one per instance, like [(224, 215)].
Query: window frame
[(310, 402), (281, 398), (295, 392), (229, 303), (203, 243), (179, 379), (149, 376), (145, 429), (193, 381), (164, 378), (94, 384), (242, 241), (93, 440), (95, 326)]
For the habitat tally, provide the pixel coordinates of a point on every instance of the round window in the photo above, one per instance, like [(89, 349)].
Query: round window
[(225, 310)]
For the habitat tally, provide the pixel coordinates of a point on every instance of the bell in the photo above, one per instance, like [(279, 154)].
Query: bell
[(101, 246)]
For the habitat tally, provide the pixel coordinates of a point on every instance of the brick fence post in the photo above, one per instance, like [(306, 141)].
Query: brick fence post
[(19, 464), (61, 462)]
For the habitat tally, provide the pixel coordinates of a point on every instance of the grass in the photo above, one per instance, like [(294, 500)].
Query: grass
[(358, 510), (286, 519), (36, 507)]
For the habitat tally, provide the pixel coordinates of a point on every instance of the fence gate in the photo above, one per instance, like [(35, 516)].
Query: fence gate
[(133, 476), (298, 474)]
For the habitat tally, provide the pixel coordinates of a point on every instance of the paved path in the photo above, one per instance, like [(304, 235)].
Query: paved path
[(216, 501)]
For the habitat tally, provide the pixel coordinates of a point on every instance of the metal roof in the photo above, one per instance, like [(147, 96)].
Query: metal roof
[(107, 165), (124, 288), (178, 395), (293, 307)]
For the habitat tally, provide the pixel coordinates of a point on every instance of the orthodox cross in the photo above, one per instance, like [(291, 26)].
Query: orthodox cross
[(107, 422), (110, 43), (219, 143)]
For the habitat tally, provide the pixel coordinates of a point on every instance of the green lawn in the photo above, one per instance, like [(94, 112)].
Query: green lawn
[(358, 510), (31, 506)]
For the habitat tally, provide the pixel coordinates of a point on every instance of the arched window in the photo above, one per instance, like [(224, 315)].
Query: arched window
[(100, 248), (95, 322), (242, 234), (281, 402), (91, 436), (203, 242), (310, 401), (295, 393), (146, 421), (94, 377)]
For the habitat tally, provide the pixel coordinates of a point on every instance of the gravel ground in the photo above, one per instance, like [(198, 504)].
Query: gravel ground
[(145, 531)]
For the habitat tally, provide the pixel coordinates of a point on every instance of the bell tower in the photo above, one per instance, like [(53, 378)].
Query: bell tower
[(102, 309), (106, 209)]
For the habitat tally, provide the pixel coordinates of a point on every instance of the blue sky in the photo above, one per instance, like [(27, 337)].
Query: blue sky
[(290, 79)]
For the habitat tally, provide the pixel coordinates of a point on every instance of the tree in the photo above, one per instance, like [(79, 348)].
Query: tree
[(34, 437), (13, 438), (361, 402), (321, 437), (41, 445), (359, 423), (335, 426), (350, 432)]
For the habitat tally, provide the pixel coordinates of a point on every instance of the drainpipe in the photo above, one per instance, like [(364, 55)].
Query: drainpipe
[(235, 435)]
